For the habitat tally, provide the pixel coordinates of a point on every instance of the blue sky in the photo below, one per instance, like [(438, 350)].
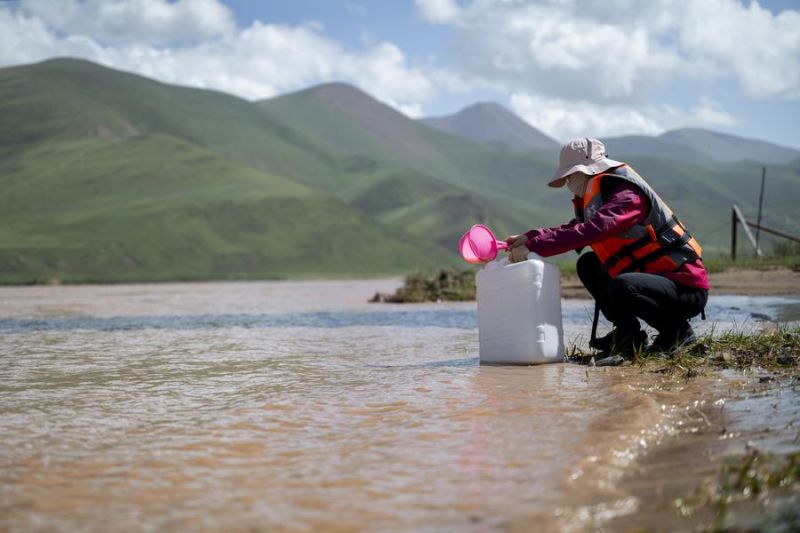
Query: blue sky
[(568, 67)]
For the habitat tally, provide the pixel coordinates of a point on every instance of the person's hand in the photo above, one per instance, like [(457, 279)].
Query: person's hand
[(519, 253), (514, 241)]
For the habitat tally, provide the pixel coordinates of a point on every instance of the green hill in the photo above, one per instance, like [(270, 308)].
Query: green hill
[(348, 121), (490, 122), (109, 176), (512, 185), (91, 194), (69, 99), (156, 208), (724, 147)]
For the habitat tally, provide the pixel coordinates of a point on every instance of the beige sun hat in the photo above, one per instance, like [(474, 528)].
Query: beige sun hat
[(585, 155)]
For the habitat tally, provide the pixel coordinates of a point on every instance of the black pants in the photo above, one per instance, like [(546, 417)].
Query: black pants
[(662, 303)]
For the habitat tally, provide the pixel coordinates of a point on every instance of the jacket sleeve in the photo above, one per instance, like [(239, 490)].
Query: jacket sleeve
[(540, 231), (624, 207)]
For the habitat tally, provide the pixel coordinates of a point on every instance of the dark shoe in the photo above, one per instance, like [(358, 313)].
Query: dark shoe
[(612, 360), (670, 340), (620, 342)]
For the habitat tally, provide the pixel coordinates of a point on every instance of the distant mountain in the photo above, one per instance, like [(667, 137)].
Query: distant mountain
[(350, 123), (724, 147), (110, 176), (631, 147), (493, 123), (694, 144), (346, 120)]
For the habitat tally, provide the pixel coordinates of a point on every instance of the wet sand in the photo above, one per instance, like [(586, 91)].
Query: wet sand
[(738, 413), (782, 282)]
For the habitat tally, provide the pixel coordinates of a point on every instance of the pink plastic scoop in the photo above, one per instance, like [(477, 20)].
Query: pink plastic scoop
[(479, 245)]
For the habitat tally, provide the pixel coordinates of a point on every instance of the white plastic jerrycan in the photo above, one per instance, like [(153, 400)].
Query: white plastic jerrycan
[(519, 312)]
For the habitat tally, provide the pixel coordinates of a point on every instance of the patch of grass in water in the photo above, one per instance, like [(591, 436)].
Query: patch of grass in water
[(754, 492), (447, 285)]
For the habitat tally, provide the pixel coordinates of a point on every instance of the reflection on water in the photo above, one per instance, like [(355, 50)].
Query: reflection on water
[(324, 412)]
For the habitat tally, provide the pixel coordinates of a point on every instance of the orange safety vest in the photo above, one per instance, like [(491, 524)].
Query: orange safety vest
[(659, 243)]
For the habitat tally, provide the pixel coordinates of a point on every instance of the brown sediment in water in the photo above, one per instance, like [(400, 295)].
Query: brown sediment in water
[(302, 427), (782, 281), (680, 485), (726, 457)]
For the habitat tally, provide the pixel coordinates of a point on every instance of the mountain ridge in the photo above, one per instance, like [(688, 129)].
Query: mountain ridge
[(493, 123), (700, 143), (111, 176)]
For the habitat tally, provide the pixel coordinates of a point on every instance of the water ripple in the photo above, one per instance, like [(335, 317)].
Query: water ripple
[(442, 318)]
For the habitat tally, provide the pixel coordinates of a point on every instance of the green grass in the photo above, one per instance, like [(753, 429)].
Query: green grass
[(446, 285), (764, 484), (108, 176), (777, 350), (722, 264), (701, 192), (157, 208), (756, 488)]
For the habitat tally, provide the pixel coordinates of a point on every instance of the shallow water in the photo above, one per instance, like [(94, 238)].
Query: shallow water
[(299, 406)]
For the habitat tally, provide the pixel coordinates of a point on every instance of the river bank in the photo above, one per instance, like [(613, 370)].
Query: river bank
[(739, 457), (780, 281), (459, 285), (726, 459)]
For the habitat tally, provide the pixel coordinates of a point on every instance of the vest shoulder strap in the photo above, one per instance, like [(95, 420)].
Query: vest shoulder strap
[(628, 249)]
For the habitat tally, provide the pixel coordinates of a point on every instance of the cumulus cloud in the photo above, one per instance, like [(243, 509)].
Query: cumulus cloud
[(196, 43), (624, 51), (566, 119), (577, 67), (438, 11), (553, 49), (134, 21), (571, 66), (759, 49)]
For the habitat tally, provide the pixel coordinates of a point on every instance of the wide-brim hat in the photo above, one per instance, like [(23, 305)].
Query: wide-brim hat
[(585, 155)]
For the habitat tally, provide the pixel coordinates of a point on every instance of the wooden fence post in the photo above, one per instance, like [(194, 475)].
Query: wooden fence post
[(733, 234), (738, 216)]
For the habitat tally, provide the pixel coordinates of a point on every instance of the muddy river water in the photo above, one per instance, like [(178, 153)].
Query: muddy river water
[(298, 406)]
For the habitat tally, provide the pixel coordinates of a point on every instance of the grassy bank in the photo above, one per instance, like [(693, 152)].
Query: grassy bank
[(454, 284), (447, 285), (714, 264), (737, 466), (757, 491), (774, 350)]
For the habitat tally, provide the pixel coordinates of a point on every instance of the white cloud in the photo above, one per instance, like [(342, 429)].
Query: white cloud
[(573, 67), (199, 46), (624, 51), (759, 49), (706, 113), (566, 119), (134, 21), (438, 11), (384, 66)]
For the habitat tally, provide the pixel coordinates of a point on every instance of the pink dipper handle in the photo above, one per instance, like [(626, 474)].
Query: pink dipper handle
[(479, 245)]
